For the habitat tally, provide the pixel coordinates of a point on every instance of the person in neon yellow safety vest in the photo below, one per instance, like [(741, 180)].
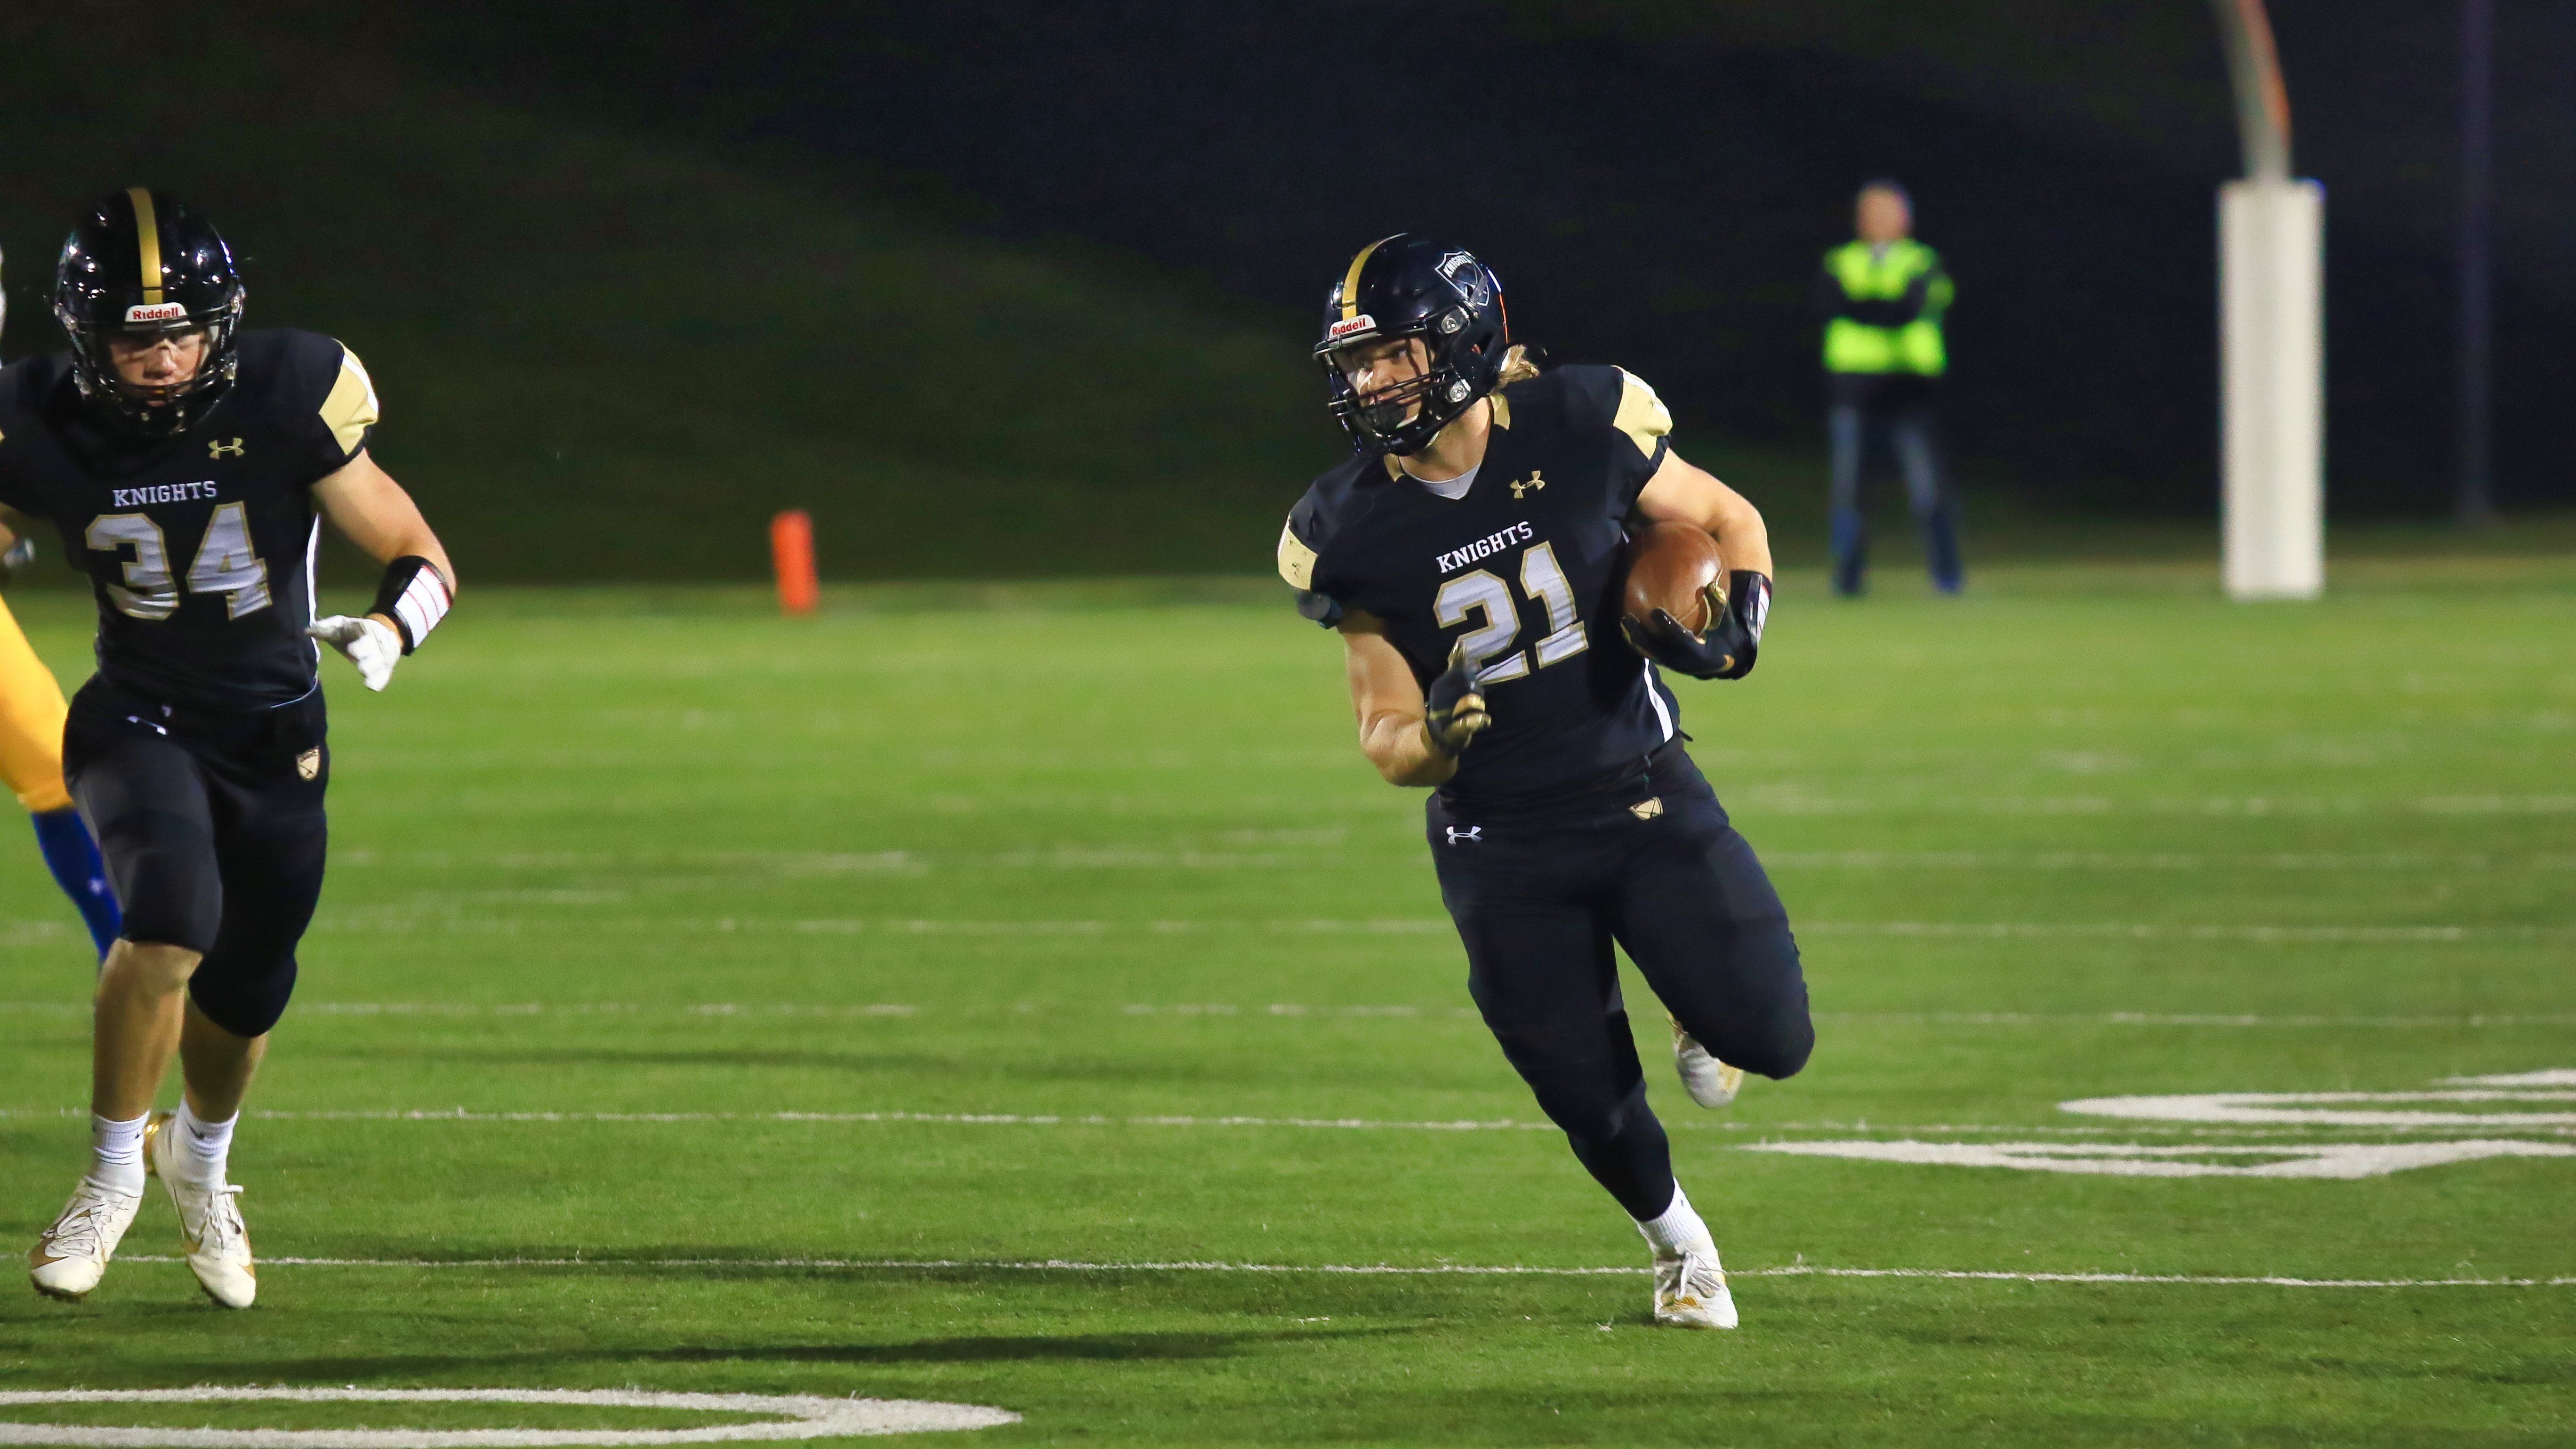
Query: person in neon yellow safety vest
[(1883, 297)]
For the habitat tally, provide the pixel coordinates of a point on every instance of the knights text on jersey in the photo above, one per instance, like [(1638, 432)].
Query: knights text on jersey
[(198, 546), (1524, 570)]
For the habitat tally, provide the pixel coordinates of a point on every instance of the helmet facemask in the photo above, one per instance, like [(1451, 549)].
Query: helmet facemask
[(162, 409), (1398, 417), (1404, 418)]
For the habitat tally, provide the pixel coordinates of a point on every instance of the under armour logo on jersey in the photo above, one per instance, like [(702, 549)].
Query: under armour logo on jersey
[(1530, 484), (219, 448), (1471, 835)]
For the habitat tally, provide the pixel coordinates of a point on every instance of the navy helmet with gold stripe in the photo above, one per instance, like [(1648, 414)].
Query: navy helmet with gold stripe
[(1407, 287), (143, 263)]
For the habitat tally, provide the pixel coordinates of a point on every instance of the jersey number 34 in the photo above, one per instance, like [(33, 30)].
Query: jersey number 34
[(226, 564), (1481, 593)]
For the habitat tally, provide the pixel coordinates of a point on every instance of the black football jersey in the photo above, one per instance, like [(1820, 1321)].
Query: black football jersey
[(199, 546), (1524, 569)]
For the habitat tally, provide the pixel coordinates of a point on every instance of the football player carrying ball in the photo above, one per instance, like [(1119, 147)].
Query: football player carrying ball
[(1470, 554)]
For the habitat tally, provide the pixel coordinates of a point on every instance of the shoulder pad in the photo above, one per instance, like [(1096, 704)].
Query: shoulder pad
[(1296, 560), (1641, 415), (1333, 494), (23, 386), (349, 409), (1308, 533), (1615, 398), (316, 385)]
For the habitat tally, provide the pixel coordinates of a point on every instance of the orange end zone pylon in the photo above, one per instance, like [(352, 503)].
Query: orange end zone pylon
[(791, 549)]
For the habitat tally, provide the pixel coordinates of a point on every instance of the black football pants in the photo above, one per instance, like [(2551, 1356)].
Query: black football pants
[(1539, 907), (213, 830)]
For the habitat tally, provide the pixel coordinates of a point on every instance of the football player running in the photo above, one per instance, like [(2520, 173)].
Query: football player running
[(31, 757), (188, 465), (1470, 556)]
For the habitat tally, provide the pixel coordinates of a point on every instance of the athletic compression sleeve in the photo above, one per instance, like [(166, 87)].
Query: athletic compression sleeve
[(415, 596)]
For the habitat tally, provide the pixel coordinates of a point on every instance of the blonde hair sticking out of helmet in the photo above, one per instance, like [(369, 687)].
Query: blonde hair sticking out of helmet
[(1516, 367)]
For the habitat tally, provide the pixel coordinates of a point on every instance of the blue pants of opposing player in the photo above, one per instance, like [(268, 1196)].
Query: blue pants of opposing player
[(1540, 904), (74, 859), (1906, 432)]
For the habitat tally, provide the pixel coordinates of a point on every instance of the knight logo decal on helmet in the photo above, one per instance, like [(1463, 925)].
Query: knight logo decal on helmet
[(1467, 275)]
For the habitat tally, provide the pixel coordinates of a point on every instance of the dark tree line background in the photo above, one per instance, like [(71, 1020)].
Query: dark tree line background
[(1654, 181), (1009, 288)]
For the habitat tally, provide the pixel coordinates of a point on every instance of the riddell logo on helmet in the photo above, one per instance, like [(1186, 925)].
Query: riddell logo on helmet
[(156, 312), (1349, 325)]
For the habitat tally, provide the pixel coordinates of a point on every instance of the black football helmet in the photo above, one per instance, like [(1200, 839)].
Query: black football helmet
[(142, 263), (1407, 286)]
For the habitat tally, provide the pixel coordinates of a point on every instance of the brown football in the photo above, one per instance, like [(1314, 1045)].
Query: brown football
[(1669, 567)]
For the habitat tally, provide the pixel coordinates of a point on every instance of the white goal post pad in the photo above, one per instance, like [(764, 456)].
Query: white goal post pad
[(2272, 355)]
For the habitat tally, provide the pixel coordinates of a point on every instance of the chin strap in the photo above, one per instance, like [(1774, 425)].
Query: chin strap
[(415, 596)]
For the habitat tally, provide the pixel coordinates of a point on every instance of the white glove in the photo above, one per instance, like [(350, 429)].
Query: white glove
[(368, 643)]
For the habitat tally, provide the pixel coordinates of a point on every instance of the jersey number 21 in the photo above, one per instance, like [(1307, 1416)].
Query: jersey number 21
[(1482, 593)]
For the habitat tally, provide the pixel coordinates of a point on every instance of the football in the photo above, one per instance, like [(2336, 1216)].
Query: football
[(1670, 567)]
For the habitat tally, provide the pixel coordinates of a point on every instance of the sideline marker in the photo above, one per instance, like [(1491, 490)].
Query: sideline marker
[(791, 550)]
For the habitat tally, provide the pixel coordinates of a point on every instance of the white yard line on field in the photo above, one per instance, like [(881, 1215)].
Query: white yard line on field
[(2550, 1077), (2433, 1124), (2337, 1160), (1436, 1270), (978, 1119), (2224, 1019), (754, 1010), (799, 1416), (479, 918), (2177, 931), (2335, 1109), (1790, 799), (2096, 860), (418, 864)]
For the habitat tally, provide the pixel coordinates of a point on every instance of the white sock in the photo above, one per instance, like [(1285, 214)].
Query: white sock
[(1678, 1231), (203, 1145), (116, 1152)]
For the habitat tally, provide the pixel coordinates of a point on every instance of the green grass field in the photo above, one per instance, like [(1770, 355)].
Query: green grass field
[(955, 996)]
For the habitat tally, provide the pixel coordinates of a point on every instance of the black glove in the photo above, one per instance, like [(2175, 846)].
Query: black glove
[(1453, 709), (1734, 635)]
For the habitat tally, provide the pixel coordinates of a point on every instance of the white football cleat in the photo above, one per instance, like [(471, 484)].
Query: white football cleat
[(1710, 1082), (1690, 1292), (72, 1256), (210, 1221)]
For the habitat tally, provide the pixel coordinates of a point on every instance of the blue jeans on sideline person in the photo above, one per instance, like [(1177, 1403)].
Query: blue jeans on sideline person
[(1908, 434)]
